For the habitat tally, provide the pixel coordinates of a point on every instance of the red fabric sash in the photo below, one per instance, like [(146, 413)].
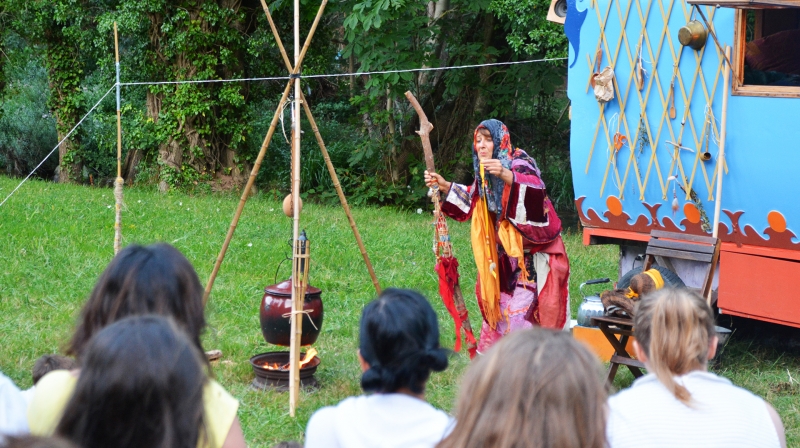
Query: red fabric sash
[(447, 268)]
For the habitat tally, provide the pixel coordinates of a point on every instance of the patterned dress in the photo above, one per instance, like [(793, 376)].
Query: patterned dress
[(522, 265)]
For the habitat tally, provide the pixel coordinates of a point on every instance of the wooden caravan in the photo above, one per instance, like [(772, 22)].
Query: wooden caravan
[(647, 86)]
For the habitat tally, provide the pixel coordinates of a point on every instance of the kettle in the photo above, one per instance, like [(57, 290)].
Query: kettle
[(591, 305)]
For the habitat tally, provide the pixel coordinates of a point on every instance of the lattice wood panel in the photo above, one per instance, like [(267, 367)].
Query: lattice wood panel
[(630, 29)]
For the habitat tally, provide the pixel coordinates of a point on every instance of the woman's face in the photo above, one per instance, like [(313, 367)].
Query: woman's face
[(484, 145)]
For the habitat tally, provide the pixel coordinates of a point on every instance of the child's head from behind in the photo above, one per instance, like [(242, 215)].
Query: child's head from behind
[(36, 442), (141, 384), (537, 388), (47, 363), (399, 340), (675, 330), (155, 279)]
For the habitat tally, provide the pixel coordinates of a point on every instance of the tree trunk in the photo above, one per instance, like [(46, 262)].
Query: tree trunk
[(485, 72), (64, 73), (70, 167), (3, 58), (394, 171), (194, 140), (436, 10)]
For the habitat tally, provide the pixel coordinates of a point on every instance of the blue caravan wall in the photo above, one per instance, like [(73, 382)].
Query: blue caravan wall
[(761, 132)]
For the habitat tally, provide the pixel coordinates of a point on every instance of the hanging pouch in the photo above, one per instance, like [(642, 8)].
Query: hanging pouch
[(604, 85)]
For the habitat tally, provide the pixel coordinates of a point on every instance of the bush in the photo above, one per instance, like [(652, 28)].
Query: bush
[(27, 129)]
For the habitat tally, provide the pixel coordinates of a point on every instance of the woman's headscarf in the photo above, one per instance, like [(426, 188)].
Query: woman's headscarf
[(503, 152)]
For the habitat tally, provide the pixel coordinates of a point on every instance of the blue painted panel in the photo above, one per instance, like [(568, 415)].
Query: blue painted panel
[(762, 132)]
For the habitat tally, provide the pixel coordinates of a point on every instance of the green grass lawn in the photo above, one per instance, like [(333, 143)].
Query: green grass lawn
[(57, 239)]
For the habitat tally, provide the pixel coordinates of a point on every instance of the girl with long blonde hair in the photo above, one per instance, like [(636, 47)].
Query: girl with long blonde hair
[(535, 388), (680, 403)]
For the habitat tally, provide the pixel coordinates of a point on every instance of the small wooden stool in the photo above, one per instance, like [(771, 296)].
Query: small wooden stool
[(622, 327)]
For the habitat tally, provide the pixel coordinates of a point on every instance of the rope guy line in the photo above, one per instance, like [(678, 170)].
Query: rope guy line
[(59, 144), (271, 78), (337, 75)]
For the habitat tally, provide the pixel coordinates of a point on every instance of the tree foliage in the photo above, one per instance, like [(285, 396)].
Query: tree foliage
[(186, 134)]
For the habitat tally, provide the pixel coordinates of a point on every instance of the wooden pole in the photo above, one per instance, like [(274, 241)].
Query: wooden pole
[(722, 137), (721, 157), (277, 39), (246, 193), (259, 159), (340, 193), (323, 148), (118, 183), (307, 43), (297, 297)]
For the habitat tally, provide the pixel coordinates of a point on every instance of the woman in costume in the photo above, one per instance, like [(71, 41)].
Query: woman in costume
[(516, 237)]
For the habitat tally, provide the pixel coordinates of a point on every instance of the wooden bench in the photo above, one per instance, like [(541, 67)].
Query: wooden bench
[(617, 330)]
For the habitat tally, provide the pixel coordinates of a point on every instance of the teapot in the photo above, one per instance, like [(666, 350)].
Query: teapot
[(591, 305)]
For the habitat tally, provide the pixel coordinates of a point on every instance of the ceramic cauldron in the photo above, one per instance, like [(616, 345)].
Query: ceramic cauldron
[(277, 303)]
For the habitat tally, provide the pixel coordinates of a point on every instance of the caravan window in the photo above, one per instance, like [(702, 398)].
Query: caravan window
[(767, 52)]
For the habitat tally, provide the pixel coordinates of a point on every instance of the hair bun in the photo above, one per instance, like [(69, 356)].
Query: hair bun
[(378, 378), (399, 339), (435, 359)]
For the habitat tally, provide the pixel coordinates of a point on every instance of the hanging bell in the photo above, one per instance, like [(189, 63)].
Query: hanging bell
[(693, 34)]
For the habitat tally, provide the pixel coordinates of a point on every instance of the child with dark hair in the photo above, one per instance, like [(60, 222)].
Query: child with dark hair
[(44, 365), (140, 280), (141, 385), (37, 442), (47, 363), (288, 445), (398, 349)]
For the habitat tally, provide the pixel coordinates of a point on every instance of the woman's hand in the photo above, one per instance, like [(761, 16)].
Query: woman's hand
[(495, 167), (431, 178)]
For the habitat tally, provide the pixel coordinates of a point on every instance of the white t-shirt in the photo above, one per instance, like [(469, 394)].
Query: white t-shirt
[(13, 409), (723, 415), (378, 421)]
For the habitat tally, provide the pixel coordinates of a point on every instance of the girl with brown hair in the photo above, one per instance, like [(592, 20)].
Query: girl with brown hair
[(141, 385), (535, 388), (680, 403), (155, 279)]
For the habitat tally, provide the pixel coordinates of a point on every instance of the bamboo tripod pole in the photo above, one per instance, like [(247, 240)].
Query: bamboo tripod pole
[(119, 181), (323, 148), (340, 193), (257, 164), (245, 193), (297, 297)]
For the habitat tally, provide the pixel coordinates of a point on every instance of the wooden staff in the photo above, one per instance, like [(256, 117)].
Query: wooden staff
[(119, 181), (425, 127), (257, 165)]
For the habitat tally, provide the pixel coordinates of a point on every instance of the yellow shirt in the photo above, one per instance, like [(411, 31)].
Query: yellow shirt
[(55, 389)]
